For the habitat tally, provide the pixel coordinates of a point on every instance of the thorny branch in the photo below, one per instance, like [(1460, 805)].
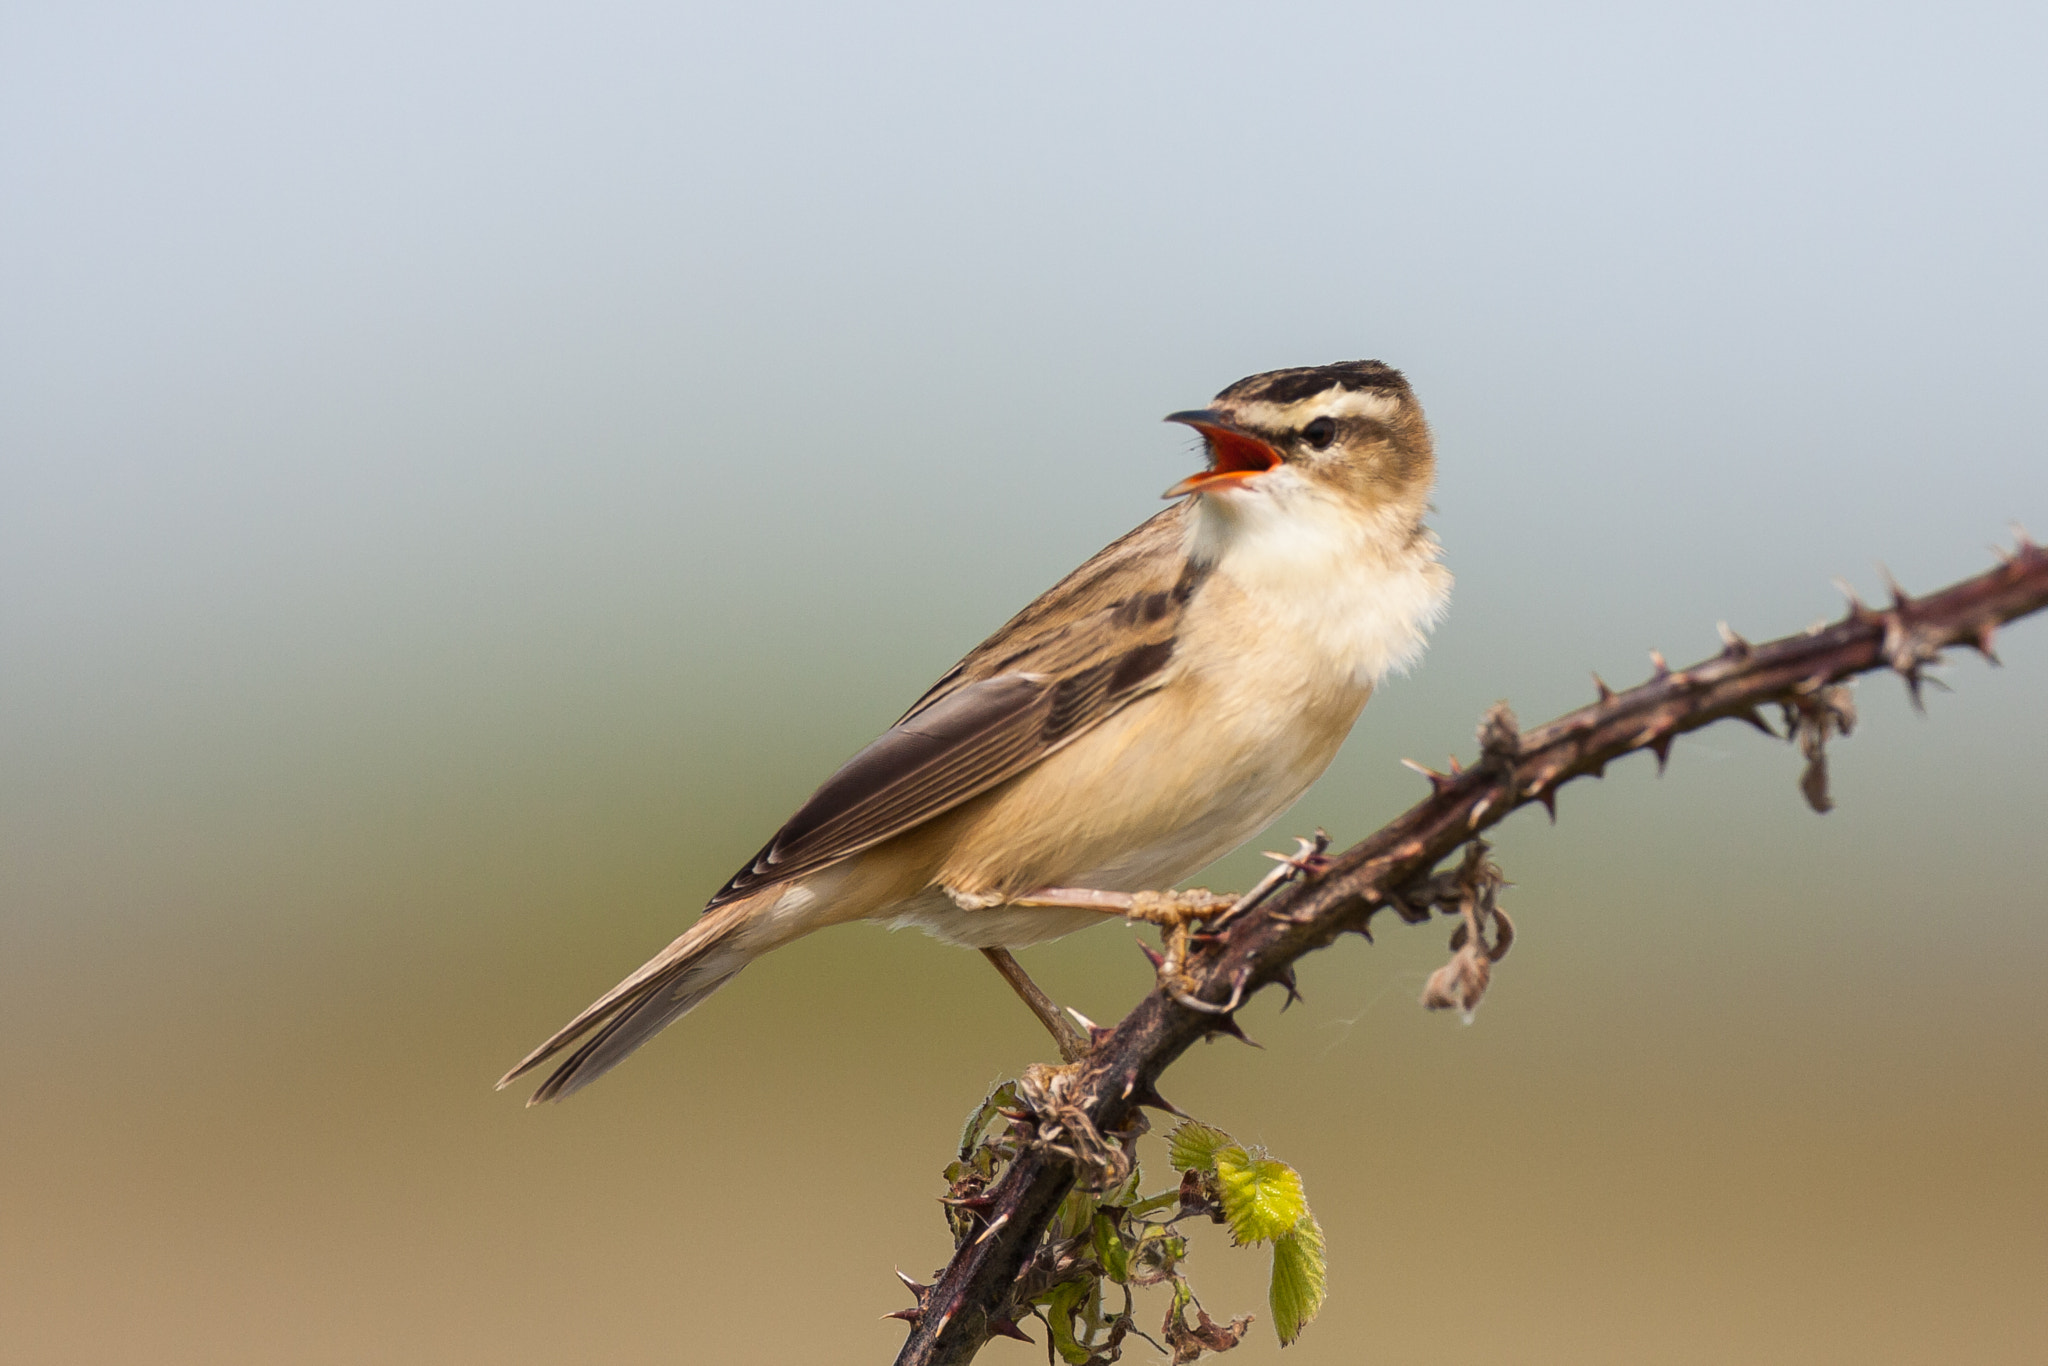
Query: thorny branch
[(1083, 1113)]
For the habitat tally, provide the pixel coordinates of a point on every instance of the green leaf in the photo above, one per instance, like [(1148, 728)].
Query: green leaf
[(1004, 1097), (1110, 1251), (1262, 1199), (1127, 1192), (1192, 1146), (1077, 1214), (1061, 1306), (1298, 1279)]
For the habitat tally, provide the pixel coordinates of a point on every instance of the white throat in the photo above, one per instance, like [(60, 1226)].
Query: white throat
[(1360, 588)]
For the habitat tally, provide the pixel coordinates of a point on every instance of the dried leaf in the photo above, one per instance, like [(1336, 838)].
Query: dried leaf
[(1188, 1343), (1459, 984), (1813, 783), (1199, 1196)]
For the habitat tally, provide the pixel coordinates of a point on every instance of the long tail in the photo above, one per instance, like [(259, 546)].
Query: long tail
[(701, 960)]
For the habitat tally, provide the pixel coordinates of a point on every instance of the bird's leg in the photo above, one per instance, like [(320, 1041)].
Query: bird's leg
[(1072, 1043), (1154, 908), (1078, 899), (1175, 909)]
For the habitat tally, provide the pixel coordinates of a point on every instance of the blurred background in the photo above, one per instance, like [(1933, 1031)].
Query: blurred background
[(467, 471)]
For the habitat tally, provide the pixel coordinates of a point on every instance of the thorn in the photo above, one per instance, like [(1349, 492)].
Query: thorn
[(1456, 767), (1658, 665), (1661, 747), (1083, 1020), (1755, 718), (1732, 645), (915, 1288), (968, 1202), (1479, 812), (1008, 1328), (944, 1319), (1152, 955), (2022, 542), (1606, 693), (1148, 1095), (1286, 979), (1857, 610), (909, 1316), (995, 1224), (1437, 781), (1985, 635), (1548, 796), (1900, 602), (1227, 1024), (1308, 857)]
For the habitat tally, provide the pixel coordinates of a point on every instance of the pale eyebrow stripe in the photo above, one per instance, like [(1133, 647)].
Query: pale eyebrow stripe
[(1368, 403)]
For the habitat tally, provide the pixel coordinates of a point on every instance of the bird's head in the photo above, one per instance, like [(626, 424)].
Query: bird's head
[(1351, 430)]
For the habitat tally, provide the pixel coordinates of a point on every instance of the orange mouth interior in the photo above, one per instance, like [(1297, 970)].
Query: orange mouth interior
[(1232, 455)]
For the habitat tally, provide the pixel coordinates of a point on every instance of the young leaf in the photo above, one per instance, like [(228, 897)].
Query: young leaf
[(1110, 1252), (1262, 1199), (1193, 1146), (1298, 1277)]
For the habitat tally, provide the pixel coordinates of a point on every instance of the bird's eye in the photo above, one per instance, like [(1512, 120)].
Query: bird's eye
[(1320, 432)]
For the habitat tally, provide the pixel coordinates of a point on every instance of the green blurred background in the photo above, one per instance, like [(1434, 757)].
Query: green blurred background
[(466, 471)]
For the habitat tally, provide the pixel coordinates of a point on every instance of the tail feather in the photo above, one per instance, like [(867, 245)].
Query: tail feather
[(701, 960)]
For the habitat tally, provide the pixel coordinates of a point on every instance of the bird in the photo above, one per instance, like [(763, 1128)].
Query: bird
[(1152, 711)]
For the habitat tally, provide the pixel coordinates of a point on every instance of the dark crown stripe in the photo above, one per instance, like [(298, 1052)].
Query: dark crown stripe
[(1291, 386)]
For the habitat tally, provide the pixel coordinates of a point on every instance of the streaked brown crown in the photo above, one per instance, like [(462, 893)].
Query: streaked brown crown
[(1306, 381), (1380, 451)]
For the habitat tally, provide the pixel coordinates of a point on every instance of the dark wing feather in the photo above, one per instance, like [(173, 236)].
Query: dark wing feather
[(1097, 640)]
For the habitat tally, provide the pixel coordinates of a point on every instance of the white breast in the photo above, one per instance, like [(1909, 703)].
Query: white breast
[(1353, 592)]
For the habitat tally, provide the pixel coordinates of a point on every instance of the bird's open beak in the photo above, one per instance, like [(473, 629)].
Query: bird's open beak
[(1233, 454)]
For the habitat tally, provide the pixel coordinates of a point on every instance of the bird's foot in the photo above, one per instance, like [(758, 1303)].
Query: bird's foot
[(1172, 910)]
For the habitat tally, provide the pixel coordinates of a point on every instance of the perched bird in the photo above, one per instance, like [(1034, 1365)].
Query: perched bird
[(1152, 711)]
